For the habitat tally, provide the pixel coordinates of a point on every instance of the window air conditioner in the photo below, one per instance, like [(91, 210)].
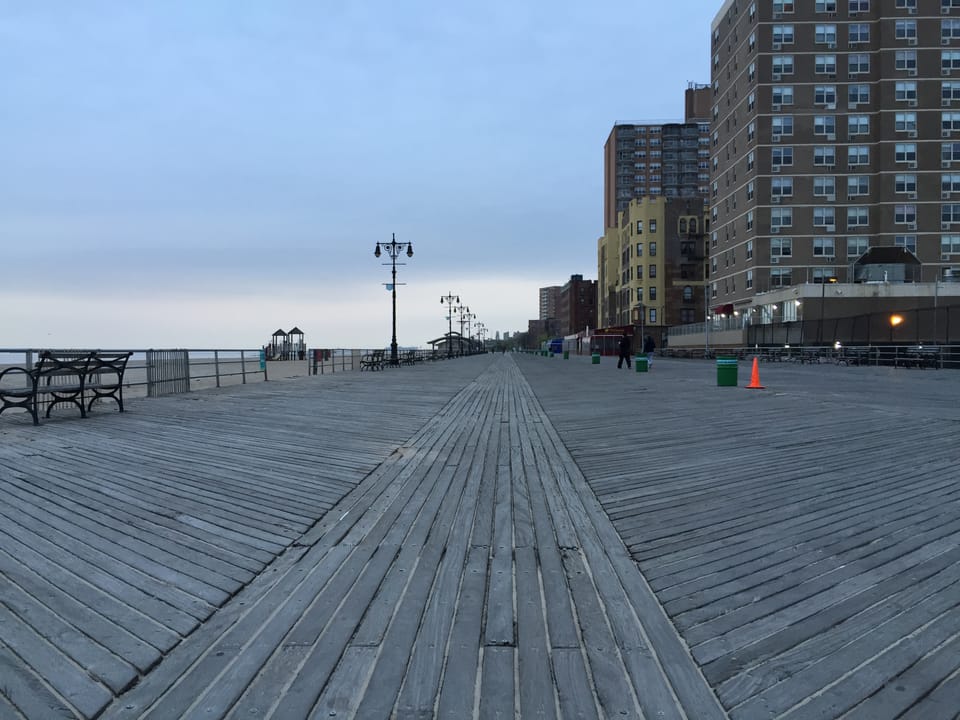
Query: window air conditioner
[(774, 261), (945, 195), (944, 133), (912, 41), (831, 228)]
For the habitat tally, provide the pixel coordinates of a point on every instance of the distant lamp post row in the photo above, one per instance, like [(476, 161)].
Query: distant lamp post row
[(393, 249), (449, 299), (465, 318)]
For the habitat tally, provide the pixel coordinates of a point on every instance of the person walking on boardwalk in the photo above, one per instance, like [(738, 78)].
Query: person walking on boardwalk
[(624, 351), (648, 347)]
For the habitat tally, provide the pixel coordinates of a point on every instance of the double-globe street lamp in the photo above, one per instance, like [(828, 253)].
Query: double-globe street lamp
[(449, 299), (394, 249), (464, 312)]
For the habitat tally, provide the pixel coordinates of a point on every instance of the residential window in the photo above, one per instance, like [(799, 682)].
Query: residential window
[(751, 130), (858, 155), (857, 246), (949, 28), (825, 125), (905, 122), (782, 65), (905, 29), (652, 247), (906, 60), (855, 6), (825, 64), (651, 272), (950, 90), (858, 185), (749, 219), (858, 64), (825, 94), (950, 121), (750, 160), (824, 275), (781, 187), (823, 247), (639, 249), (905, 152), (950, 213), (782, 124), (653, 229), (858, 217), (907, 242), (781, 217), (950, 59), (905, 183), (825, 6), (752, 71), (859, 33), (781, 277), (783, 94), (781, 247), (949, 183), (825, 34), (858, 94), (783, 34), (780, 156), (858, 124), (824, 216), (949, 244), (906, 90), (749, 279), (949, 151), (825, 186), (825, 155), (652, 315), (906, 4), (905, 214), (783, 6), (749, 249), (639, 272), (750, 190)]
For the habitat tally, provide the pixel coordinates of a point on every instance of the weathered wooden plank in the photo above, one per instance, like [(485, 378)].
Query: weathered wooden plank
[(457, 696), (497, 686), (536, 690)]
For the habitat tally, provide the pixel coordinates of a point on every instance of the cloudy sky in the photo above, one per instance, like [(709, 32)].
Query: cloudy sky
[(200, 173)]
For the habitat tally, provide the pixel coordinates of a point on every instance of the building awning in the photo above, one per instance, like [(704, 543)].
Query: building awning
[(723, 309)]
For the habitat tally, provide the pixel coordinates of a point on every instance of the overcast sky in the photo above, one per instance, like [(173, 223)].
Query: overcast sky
[(200, 173)]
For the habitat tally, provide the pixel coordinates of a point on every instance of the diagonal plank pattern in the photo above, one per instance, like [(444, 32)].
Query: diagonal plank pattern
[(805, 541), (471, 574)]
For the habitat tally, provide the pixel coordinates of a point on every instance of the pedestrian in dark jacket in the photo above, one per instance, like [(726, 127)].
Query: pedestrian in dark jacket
[(648, 347), (625, 348)]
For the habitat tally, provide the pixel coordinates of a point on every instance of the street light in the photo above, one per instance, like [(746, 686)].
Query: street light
[(449, 299), (895, 320), (463, 311), (393, 249)]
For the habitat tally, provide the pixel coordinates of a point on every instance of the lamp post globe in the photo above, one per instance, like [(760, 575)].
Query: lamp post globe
[(393, 249)]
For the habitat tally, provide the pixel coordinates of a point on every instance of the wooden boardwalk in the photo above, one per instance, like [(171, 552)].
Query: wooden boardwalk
[(495, 536)]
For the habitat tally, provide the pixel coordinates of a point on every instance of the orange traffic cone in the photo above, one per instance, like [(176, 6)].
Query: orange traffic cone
[(755, 377)]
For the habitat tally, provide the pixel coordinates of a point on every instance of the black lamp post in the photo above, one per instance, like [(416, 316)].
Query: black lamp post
[(463, 311), (449, 299), (394, 249)]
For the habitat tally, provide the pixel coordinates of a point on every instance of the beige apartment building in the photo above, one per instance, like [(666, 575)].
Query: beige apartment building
[(835, 155), (652, 265)]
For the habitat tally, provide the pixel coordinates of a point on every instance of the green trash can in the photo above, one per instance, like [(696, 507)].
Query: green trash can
[(566, 354), (595, 358), (640, 362), (726, 372)]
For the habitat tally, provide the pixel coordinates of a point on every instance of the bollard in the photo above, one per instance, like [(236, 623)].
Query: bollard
[(726, 372)]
